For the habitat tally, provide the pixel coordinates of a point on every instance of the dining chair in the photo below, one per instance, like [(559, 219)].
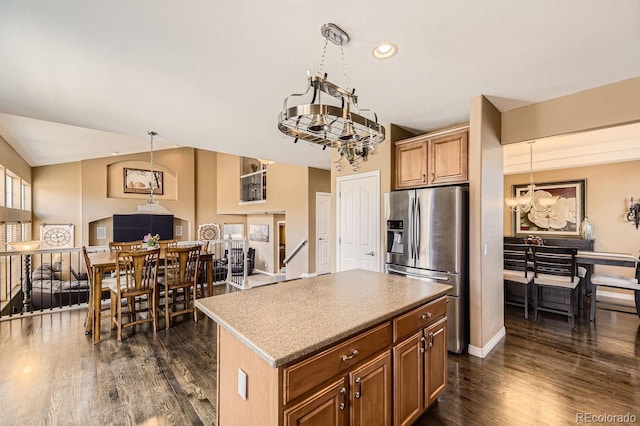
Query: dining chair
[(516, 273), (136, 281), (125, 245), (164, 244), (615, 281), (555, 281), (179, 282)]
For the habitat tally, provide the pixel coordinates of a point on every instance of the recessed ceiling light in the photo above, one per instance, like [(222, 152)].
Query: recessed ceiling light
[(385, 50), (115, 153)]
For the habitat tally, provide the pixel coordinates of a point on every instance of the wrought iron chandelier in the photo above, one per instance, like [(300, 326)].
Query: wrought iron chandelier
[(334, 120), (152, 206), (529, 200)]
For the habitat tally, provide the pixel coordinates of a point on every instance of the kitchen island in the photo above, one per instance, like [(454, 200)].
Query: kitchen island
[(355, 347)]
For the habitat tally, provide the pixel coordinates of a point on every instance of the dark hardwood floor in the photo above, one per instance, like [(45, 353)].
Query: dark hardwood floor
[(542, 373)]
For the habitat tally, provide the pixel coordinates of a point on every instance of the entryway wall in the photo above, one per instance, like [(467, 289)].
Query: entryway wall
[(266, 254)]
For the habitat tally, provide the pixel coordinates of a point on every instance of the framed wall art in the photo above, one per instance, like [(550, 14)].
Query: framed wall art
[(259, 233), (57, 236), (136, 181), (564, 217)]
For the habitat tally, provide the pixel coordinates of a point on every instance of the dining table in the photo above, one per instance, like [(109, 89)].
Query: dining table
[(605, 258), (103, 262)]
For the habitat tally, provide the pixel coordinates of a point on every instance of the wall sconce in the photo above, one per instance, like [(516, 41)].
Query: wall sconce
[(634, 213)]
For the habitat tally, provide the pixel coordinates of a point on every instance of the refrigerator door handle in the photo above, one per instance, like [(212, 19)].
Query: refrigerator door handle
[(418, 228), (410, 230), (409, 274)]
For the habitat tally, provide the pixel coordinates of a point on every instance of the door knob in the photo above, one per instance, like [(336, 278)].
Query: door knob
[(371, 253)]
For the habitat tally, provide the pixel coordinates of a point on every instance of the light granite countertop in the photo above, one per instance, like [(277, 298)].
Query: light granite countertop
[(284, 322)]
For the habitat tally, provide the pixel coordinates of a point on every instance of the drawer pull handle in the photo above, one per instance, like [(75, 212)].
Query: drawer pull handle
[(359, 392), (354, 353), (343, 392), (430, 339), (426, 316)]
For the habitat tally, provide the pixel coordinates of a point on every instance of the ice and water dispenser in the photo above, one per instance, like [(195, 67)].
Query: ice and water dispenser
[(395, 238)]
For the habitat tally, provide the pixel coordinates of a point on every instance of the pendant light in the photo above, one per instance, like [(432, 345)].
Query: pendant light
[(529, 200), (152, 206)]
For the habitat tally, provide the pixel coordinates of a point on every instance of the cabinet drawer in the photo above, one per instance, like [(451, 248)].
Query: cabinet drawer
[(306, 375), (418, 318)]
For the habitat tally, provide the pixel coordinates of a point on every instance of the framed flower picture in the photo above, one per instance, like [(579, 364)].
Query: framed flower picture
[(562, 219)]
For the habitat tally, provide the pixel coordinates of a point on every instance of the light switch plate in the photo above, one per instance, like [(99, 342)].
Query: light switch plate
[(242, 384)]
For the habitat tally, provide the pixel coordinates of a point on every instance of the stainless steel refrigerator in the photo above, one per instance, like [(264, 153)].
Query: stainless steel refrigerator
[(427, 238)]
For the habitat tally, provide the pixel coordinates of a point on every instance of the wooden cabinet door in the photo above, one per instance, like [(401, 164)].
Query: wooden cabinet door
[(408, 384), (448, 158), (370, 392), (327, 407), (411, 164), (435, 361)]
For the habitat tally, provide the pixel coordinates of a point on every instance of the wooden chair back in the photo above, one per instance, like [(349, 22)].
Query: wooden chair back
[(87, 263), (164, 245), (181, 265), (516, 257), (115, 246), (137, 271), (552, 260)]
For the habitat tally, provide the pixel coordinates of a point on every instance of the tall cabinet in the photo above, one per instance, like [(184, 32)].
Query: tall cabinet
[(435, 158)]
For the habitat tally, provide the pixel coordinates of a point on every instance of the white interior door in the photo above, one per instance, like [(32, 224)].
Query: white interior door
[(359, 222), (323, 224)]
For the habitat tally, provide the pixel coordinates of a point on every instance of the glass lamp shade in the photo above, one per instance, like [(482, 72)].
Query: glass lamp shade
[(524, 200), (511, 202), (25, 245), (547, 201)]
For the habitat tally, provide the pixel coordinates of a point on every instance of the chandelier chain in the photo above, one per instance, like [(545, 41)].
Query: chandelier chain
[(324, 54), (344, 65)]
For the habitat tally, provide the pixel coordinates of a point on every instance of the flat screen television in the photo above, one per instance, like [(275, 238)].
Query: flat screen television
[(131, 227)]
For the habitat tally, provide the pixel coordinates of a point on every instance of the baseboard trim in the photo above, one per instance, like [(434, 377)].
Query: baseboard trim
[(260, 271), (308, 275), (614, 295), (484, 351)]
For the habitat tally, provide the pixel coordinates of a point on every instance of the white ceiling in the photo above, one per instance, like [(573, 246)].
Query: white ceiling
[(83, 79)]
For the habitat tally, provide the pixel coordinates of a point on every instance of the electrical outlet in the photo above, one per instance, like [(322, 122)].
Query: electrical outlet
[(242, 384)]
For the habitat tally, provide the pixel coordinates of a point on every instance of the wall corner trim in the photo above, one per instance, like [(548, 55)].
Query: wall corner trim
[(484, 351)]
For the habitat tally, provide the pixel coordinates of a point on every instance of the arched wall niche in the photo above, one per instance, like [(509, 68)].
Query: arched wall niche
[(104, 228), (116, 182)]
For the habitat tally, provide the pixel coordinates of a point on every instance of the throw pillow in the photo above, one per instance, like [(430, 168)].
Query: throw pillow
[(44, 272)]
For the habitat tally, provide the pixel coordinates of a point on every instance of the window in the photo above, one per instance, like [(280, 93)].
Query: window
[(9, 189), (25, 196), (234, 231), (2, 191)]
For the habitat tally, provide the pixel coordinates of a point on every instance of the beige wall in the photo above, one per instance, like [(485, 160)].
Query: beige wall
[(56, 197), (288, 191), (100, 200), (608, 192), (486, 301), (381, 160), (605, 106), (206, 187), (92, 190), (265, 256), (10, 159)]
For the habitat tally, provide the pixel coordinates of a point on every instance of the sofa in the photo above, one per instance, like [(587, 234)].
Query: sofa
[(51, 288)]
